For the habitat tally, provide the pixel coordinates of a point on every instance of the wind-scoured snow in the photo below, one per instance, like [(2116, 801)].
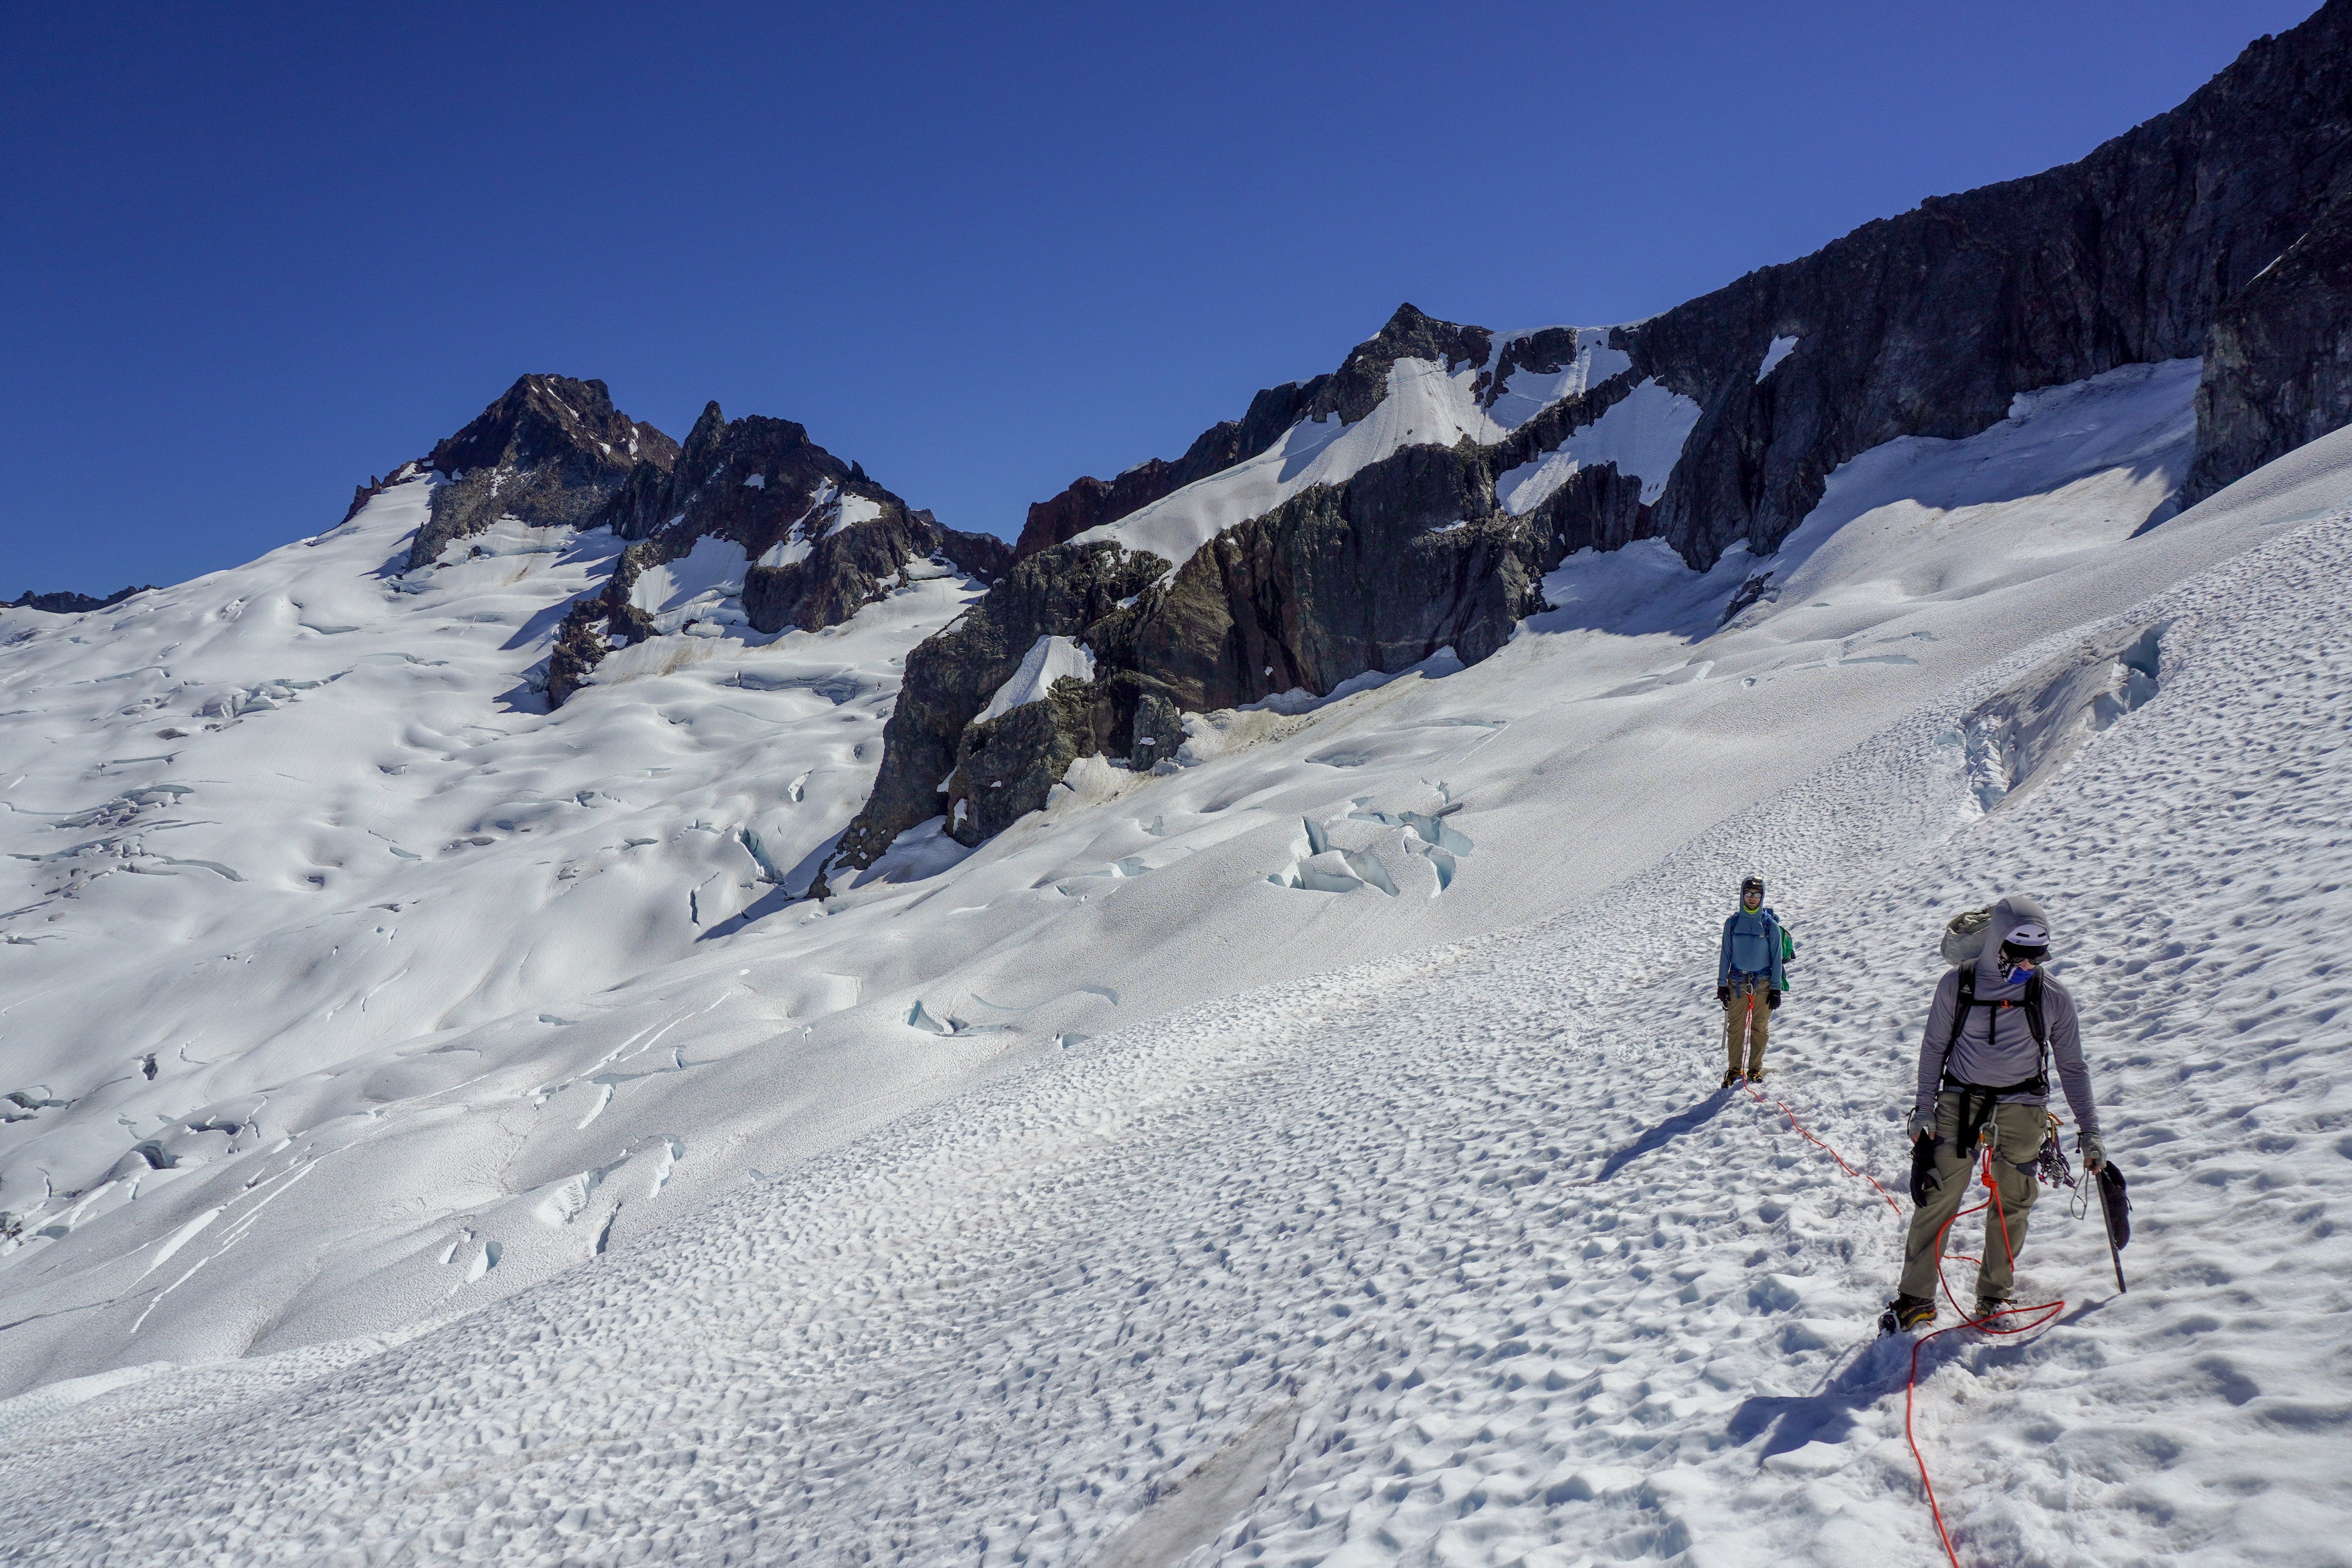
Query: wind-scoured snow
[(698, 585), (1528, 391), (1049, 659), (1643, 433), (1309, 1153)]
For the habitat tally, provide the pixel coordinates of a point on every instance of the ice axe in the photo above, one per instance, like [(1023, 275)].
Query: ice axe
[(2115, 1207)]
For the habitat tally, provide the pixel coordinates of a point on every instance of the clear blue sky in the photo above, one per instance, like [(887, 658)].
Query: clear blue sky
[(251, 254)]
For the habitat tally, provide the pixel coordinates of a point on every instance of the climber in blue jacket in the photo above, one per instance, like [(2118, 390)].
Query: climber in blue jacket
[(1748, 979)]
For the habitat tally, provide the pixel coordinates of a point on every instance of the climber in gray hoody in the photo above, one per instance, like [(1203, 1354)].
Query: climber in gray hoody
[(1989, 1079)]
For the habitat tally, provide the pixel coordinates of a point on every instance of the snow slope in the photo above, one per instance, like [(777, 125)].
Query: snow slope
[(1442, 1252)]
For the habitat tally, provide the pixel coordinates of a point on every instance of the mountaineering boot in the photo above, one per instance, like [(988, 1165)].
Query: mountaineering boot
[(1908, 1313), (1755, 1076), (1991, 1308), (1731, 1078)]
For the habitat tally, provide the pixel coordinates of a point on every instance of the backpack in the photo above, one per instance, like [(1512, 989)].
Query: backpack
[(1963, 944)]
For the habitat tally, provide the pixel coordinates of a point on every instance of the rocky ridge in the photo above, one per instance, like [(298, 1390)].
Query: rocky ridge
[(819, 539), (2216, 229), (65, 602), (549, 451)]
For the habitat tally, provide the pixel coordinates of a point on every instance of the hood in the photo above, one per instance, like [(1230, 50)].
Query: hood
[(2011, 912)]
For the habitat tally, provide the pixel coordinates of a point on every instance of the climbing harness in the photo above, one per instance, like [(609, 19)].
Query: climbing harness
[(2016, 1319)]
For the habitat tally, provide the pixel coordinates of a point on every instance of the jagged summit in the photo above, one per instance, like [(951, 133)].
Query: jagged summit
[(550, 450), (1349, 395), (1413, 499), (790, 535)]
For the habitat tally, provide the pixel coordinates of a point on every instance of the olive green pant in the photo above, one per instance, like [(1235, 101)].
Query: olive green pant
[(2015, 1134), (1746, 1013)]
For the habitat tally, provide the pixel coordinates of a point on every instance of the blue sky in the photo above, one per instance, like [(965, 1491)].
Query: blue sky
[(251, 255)]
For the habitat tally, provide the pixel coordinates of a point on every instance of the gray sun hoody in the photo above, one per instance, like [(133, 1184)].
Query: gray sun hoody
[(1996, 1045)]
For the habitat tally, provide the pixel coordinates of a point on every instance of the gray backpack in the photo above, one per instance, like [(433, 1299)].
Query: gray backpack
[(1964, 937)]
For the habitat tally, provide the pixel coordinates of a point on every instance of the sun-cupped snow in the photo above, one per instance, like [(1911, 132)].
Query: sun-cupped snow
[(555, 952), (1049, 659), (1452, 1253), (1643, 433)]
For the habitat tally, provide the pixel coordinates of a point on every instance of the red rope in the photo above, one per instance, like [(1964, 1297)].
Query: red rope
[(2025, 1319), (1803, 1133)]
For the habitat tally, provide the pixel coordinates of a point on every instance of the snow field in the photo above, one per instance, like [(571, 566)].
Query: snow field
[(1459, 1257), (1427, 1255), (609, 1012)]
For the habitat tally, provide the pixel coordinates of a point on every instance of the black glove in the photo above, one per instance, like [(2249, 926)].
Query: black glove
[(1772, 1001), (1923, 1182), (1723, 995)]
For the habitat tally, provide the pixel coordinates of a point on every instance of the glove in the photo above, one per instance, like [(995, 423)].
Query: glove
[(2094, 1153), (1924, 1180), (1920, 1123), (1723, 995), (1772, 1001)]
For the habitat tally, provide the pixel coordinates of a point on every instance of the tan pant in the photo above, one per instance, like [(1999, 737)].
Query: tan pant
[(1747, 1014), (2015, 1134)]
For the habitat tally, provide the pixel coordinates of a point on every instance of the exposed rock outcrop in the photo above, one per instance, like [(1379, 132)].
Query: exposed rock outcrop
[(1351, 391), (2167, 241), (1929, 323), (552, 450), (819, 540), (1090, 592), (2279, 371), (65, 602)]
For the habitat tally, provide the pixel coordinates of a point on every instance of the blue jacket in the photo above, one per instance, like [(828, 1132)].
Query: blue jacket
[(1751, 945)]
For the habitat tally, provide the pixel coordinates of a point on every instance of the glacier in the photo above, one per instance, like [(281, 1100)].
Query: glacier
[(448, 1113)]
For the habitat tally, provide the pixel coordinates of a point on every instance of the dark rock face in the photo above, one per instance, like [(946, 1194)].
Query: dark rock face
[(2279, 373), (1007, 766), (552, 450), (1352, 391), (820, 540), (1086, 591), (1409, 556), (1359, 384), (1156, 734), (1929, 323), (65, 602)]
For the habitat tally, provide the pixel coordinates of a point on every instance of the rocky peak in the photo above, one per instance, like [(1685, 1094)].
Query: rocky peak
[(820, 541), (1351, 392), (1362, 382), (1929, 323), (545, 419), (550, 451)]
